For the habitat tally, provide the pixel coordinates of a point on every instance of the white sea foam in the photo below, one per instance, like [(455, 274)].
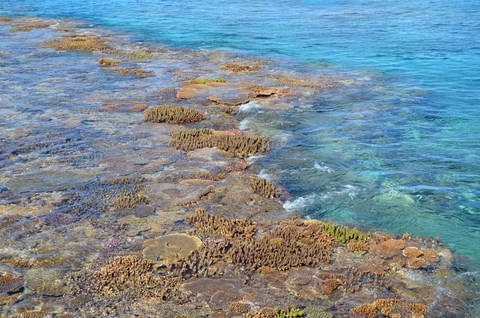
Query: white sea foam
[(252, 159), (263, 174), (350, 190), (244, 124), (248, 107), (300, 203), (323, 167)]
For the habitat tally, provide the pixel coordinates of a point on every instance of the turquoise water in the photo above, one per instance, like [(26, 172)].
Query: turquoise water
[(399, 152)]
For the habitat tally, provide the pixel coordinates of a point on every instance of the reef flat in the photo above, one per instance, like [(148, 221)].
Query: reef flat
[(128, 188)]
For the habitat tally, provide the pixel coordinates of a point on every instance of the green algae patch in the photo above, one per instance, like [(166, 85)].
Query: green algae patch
[(170, 248), (172, 114), (342, 234), (263, 187), (208, 80)]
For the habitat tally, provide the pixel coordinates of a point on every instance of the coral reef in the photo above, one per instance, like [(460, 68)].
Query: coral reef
[(208, 80), (126, 276), (96, 196), (126, 71), (170, 248), (220, 226), (290, 313), (82, 43), (5, 19), (264, 91), (108, 62), (141, 55), (238, 68), (291, 243), (317, 312), (296, 82), (125, 107), (238, 308), (241, 146), (10, 283), (172, 114), (342, 234), (391, 308), (263, 187), (268, 312), (25, 27), (32, 314)]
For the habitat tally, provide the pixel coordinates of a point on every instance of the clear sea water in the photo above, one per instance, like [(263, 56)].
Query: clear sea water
[(400, 153)]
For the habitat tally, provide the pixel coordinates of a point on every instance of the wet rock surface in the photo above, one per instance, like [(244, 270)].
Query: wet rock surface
[(101, 215)]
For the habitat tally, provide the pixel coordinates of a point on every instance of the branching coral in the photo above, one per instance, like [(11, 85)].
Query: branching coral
[(81, 43), (10, 283), (220, 226), (238, 145), (172, 114), (126, 276), (263, 187), (108, 62), (133, 72), (291, 243), (342, 234), (237, 68), (29, 27), (391, 308)]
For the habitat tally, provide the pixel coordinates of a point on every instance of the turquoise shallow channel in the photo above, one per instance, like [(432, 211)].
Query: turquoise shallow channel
[(399, 153)]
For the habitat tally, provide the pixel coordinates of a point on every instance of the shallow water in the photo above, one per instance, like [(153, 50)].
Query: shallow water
[(399, 153), (396, 148)]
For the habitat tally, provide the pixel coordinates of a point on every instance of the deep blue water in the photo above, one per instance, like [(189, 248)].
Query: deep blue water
[(401, 152)]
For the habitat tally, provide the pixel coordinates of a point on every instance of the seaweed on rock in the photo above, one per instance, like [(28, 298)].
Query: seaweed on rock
[(172, 114), (241, 146)]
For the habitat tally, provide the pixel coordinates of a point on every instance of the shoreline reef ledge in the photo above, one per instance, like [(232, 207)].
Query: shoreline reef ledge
[(138, 198)]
